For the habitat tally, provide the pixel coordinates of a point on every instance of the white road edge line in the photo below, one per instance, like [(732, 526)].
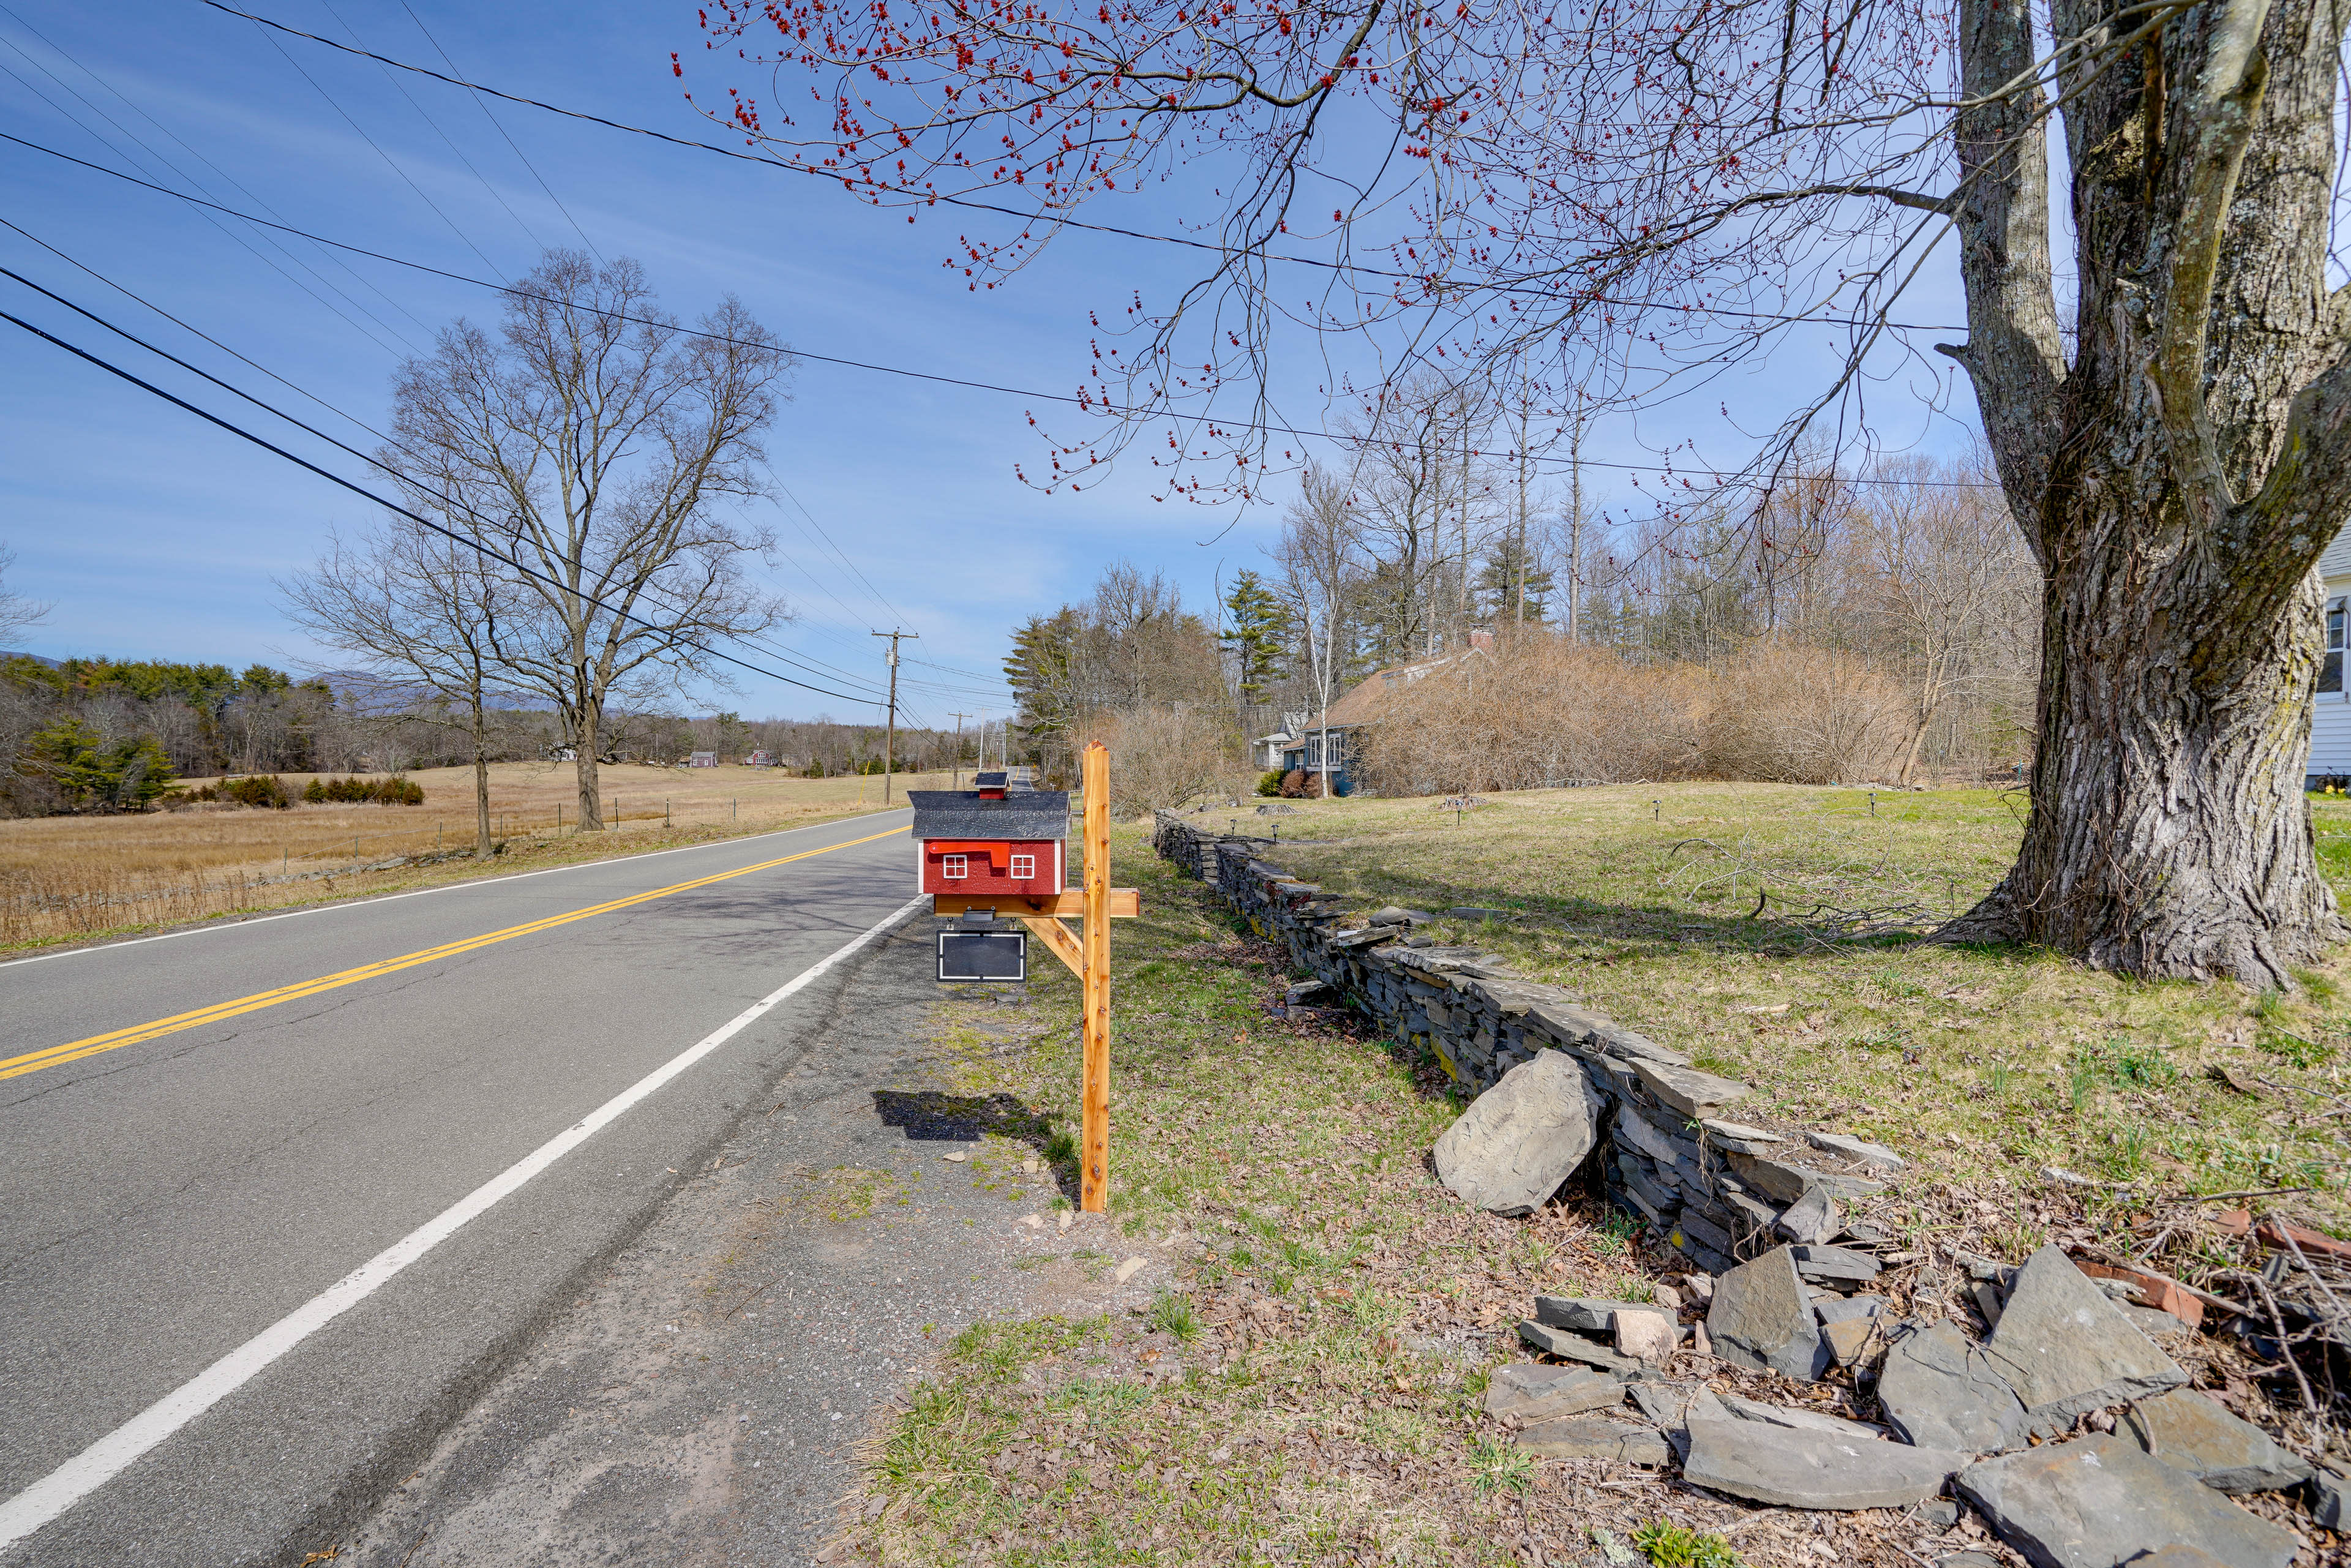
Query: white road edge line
[(108, 1457), (337, 908)]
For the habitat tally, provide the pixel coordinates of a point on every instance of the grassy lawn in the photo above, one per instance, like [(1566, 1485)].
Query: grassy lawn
[(1971, 1061), (1313, 1385)]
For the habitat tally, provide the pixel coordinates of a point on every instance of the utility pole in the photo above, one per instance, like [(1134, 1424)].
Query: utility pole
[(889, 731), (958, 751)]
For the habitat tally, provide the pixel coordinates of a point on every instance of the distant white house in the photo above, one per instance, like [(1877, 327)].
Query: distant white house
[(2330, 713), (703, 759), (1297, 747)]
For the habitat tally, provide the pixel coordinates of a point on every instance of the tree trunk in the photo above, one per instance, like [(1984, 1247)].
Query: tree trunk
[(1918, 739), (2168, 835), (589, 741), (483, 848), (2177, 479)]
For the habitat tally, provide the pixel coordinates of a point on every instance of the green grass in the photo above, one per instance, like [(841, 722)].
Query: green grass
[(1344, 1427), (1668, 1546)]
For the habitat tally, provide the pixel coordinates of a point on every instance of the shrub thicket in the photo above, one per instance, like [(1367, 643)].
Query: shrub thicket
[(395, 790), (1540, 711)]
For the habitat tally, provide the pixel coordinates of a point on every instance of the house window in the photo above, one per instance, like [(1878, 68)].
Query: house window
[(2330, 672), (955, 868), (1023, 867)]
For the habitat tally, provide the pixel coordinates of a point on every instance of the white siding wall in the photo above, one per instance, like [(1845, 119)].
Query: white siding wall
[(2330, 712)]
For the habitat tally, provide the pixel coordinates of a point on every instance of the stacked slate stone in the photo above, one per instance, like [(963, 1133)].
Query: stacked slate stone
[(1722, 1191)]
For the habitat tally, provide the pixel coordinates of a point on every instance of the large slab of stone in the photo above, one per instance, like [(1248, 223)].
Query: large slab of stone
[(2102, 1502), (1689, 1091), (1762, 1319), (1521, 1139), (2191, 1433), (2066, 1349), (1527, 1392), (1596, 1437), (1940, 1392), (1793, 1469)]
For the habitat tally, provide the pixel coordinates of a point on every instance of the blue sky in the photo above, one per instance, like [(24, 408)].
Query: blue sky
[(157, 535)]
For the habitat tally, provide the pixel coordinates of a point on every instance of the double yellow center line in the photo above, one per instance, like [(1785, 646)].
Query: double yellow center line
[(74, 1051)]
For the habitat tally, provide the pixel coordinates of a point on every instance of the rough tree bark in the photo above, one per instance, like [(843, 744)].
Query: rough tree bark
[(2176, 480)]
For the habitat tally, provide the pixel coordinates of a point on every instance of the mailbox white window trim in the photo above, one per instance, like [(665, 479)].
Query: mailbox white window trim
[(1024, 868), (955, 868)]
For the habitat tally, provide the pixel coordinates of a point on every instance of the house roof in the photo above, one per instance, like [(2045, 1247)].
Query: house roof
[(962, 814), (1361, 703)]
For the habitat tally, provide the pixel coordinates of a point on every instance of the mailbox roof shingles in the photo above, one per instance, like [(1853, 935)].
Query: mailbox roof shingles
[(1026, 814)]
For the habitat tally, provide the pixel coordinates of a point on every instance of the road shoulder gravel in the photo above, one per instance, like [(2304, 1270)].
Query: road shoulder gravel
[(702, 1400)]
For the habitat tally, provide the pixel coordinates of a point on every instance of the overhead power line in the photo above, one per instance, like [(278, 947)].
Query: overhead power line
[(1095, 405), (814, 667), (421, 521)]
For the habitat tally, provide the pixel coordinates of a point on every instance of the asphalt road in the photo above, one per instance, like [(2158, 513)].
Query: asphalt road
[(165, 1200)]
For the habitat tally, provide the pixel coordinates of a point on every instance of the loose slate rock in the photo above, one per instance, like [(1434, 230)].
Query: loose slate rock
[(1585, 1314), (1562, 1342), (1847, 1339), (1812, 1219), (2066, 1349), (2176, 1557), (1837, 1263), (1596, 1437), (1854, 1148), (1812, 1469), (1529, 1393), (2102, 1500), (1844, 1309), (2190, 1433), (1796, 1419), (1940, 1392), (2330, 1494), (1646, 1335), (1761, 1320), (1522, 1138)]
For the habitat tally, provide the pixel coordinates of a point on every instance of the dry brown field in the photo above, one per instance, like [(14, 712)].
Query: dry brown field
[(65, 878)]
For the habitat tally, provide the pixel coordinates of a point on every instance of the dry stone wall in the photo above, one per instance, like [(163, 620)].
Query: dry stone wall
[(1722, 1191)]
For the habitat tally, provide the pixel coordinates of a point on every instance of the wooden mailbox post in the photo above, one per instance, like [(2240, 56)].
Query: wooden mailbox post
[(1041, 906)]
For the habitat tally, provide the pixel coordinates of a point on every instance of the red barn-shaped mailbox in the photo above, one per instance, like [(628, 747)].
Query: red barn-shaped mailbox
[(998, 839)]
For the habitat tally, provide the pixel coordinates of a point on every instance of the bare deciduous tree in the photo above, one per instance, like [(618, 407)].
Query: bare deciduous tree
[(17, 612), (1321, 557), (424, 614), (1694, 176), (591, 440), (1952, 595)]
